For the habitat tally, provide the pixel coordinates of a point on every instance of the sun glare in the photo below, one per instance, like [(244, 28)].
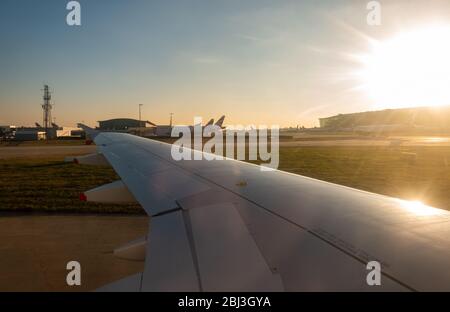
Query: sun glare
[(419, 209), (411, 69)]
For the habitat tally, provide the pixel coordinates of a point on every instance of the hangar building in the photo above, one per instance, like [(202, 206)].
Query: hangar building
[(122, 124)]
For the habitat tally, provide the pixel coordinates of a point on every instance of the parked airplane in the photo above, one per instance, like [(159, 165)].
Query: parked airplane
[(54, 125), (219, 123), (225, 225), (167, 130)]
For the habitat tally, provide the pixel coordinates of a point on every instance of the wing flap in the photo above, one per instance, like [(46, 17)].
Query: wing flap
[(228, 258), (169, 264)]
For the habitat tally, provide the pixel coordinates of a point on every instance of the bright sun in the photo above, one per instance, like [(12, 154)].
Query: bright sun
[(411, 69)]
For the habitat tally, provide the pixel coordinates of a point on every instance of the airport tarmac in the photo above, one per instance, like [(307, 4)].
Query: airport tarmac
[(35, 249), (369, 141), (7, 152), (352, 142)]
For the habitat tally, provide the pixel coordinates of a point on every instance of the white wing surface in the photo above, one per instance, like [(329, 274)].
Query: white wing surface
[(225, 225)]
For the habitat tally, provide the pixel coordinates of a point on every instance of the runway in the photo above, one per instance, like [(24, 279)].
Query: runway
[(35, 250)]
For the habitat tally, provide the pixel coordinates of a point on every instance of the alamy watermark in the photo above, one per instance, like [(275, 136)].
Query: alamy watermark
[(211, 142), (73, 18), (374, 15), (373, 278), (73, 278)]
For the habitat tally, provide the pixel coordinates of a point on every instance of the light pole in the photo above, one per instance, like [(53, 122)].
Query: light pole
[(140, 105)]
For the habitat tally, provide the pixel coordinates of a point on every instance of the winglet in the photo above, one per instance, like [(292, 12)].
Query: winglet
[(92, 133)]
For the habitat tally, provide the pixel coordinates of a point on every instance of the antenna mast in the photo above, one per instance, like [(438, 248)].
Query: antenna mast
[(47, 111)]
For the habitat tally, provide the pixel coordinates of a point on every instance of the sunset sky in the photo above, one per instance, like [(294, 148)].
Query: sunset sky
[(256, 61)]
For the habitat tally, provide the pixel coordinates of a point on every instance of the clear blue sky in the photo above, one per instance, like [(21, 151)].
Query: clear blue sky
[(257, 61)]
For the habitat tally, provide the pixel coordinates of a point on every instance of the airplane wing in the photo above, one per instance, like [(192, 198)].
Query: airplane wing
[(225, 225)]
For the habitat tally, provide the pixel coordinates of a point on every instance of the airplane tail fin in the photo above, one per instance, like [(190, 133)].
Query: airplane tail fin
[(92, 133), (210, 123), (220, 121)]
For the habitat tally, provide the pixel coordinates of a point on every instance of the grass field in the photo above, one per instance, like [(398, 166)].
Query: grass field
[(51, 185), (415, 173)]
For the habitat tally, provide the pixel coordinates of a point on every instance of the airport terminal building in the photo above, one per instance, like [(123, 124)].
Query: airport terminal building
[(425, 117)]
